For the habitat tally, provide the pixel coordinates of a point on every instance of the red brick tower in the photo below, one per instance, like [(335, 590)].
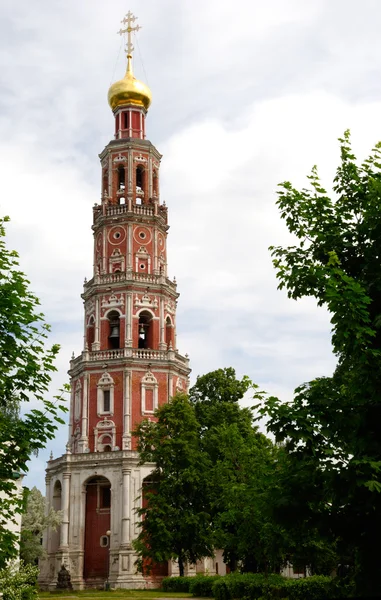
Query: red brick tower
[(129, 365)]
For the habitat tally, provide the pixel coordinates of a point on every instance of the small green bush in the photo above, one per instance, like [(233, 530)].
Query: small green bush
[(19, 582), (202, 585), (176, 584), (317, 587), (248, 585)]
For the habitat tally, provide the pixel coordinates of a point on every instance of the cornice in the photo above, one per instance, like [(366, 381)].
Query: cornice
[(130, 143)]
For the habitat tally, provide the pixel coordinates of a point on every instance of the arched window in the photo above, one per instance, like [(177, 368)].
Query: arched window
[(145, 330), (104, 443), (114, 335), (105, 395), (140, 183), (90, 333), (139, 177), (168, 332), (121, 178)]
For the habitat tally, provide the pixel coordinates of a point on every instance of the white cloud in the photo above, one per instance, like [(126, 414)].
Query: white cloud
[(245, 95)]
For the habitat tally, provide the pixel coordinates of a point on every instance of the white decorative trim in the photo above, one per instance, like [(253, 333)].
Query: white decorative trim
[(179, 385), (140, 158), (103, 428), (77, 400), (115, 258), (145, 302), (89, 307), (149, 382), (105, 383), (120, 158), (113, 301)]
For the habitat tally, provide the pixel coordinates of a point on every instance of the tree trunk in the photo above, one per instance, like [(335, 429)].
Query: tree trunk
[(181, 566)]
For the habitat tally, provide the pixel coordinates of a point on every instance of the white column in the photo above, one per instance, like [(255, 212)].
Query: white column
[(85, 328), (155, 257), (96, 345), (129, 247), (110, 172), (170, 386), (128, 342), (150, 190), (162, 344), (127, 411), (46, 534), (104, 263), (71, 412), (64, 541), (84, 436), (129, 172), (126, 485)]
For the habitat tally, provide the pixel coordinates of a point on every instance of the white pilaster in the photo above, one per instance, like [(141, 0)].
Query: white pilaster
[(64, 541), (126, 485), (96, 344), (128, 332), (129, 247), (84, 421), (162, 344), (127, 411)]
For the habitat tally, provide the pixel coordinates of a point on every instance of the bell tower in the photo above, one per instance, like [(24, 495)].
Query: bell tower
[(129, 364)]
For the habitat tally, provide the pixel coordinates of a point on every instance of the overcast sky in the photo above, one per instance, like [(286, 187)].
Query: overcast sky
[(245, 94)]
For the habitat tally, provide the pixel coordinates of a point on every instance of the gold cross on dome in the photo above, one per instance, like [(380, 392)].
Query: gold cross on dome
[(128, 21)]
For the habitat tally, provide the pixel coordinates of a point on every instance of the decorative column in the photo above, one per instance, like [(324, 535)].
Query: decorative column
[(126, 442), (64, 541), (104, 258), (162, 344), (84, 436), (96, 345), (70, 428), (129, 248), (46, 532), (128, 334), (126, 486), (155, 257)]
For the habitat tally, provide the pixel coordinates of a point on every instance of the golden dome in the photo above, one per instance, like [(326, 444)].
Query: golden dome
[(129, 90)]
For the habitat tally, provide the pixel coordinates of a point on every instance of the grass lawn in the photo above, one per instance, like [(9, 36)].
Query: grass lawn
[(117, 594)]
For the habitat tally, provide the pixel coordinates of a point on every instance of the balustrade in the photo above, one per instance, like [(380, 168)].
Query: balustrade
[(137, 353)]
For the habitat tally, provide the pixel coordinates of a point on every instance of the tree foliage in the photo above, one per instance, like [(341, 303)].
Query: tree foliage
[(332, 429), (35, 520), (175, 522), (211, 485), (243, 464), (26, 367)]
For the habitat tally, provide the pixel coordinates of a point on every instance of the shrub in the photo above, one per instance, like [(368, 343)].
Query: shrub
[(317, 587), (176, 584), (248, 585), (202, 585), (252, 586), (19, 582)]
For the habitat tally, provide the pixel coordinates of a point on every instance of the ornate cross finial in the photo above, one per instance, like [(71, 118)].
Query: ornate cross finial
[(128, 21)]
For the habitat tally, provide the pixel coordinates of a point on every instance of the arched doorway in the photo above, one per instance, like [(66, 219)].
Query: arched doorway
[(97, 526)]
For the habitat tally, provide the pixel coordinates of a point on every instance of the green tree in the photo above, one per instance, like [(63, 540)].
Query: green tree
[(25, 372), (243, 464), (35, 520), (175, 521), (332, 429)]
